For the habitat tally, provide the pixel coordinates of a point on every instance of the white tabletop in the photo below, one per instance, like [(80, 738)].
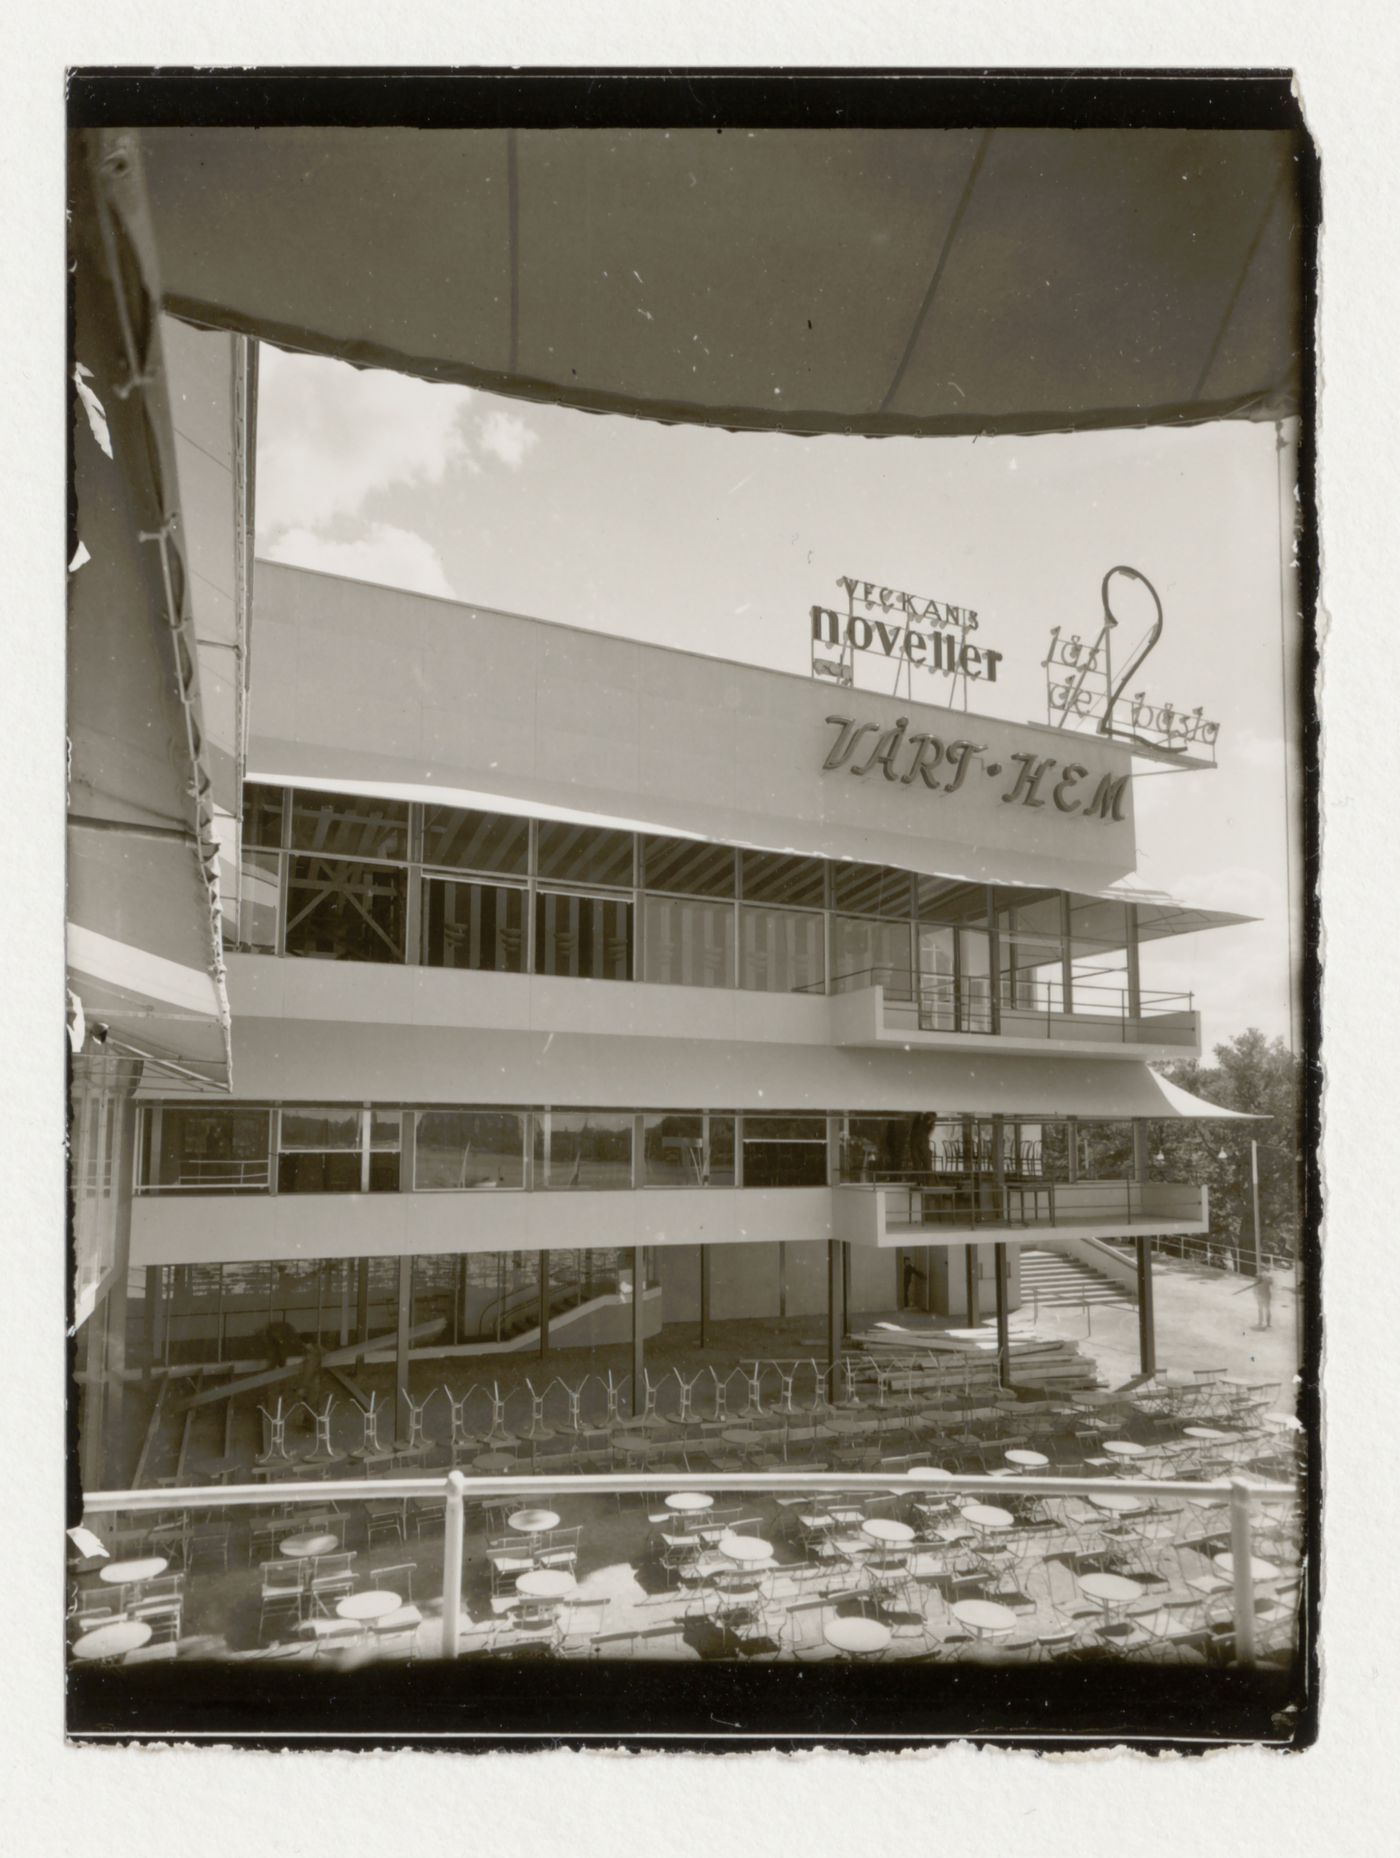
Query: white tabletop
[(533, 1522), (1258, 1570), (372, 1605), (857, 1634), (886, 1529), (1124, 1448), (110, 1641), (545, 1584), (984, 1615), (299, 1546), (744, 1548), (689, 1500), (987, 1516), (1206, 1432), (1110, 1589), (930, 1473), (1032, 1460), (1118, 1501), (118, 1573)]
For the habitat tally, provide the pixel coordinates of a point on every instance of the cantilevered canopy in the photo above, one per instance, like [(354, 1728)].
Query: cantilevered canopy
[(861, 281)]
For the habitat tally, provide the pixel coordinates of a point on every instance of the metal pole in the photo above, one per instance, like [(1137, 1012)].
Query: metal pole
[(544, 1304), (1241, 1560), (833, 1314), (402, 1425), (1254, 1190), (704, 1295), (638, 1339), (453, 1530), (1003, 1326), (1147, 1325), (974, 1313)]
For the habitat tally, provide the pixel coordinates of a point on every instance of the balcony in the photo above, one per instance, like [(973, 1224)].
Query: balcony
[(927, 1210), (891, 1006)]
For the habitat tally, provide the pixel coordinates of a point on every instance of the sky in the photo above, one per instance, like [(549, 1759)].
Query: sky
[(722, 542)]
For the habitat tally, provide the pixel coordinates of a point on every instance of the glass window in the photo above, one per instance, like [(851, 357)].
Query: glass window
[(688, 865), (673, 1150), (721, 1169), (262, 815), (469, 841), (949, 900), (774, 877), (322, 1151), (385, 1144), (784, 1151), (469, 1148), (582, 1148), (865, 953), (346, 912), (216, 1150), (872, 890), (584, 854), (1031, 948), (954, 980), (781, 951), (689, 944), (589, 937), (349, 825), (473, 926), (1097, 922), (259, 886)]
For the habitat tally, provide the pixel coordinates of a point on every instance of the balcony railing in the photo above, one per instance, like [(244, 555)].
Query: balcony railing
[(1029, 1009), (928, 1202), (1036, 1520)]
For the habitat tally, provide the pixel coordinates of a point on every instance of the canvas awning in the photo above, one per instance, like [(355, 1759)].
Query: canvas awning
[(862, 281)]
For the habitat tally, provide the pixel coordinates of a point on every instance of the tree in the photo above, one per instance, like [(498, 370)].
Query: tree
[(1262, 1078)]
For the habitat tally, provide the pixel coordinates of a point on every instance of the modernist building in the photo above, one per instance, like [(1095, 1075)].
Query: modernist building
[(581, 987)]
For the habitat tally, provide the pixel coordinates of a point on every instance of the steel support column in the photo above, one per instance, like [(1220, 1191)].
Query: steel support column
[(638, 1333), (402, 1421), (1003, 1316), (544, 1304), (834, 1303), (1147, 1321), (974, 1310), (704, 1296)]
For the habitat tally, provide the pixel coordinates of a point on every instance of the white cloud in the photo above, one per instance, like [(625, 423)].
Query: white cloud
[(330, 435), (385, 553), (507, 437)]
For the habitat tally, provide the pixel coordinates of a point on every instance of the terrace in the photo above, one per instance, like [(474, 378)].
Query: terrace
[(1156, 1523)]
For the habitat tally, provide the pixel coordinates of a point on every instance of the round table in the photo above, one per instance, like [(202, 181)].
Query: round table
[(1118, 1501), (298, 1547), (133, 1573), (372, 1605), (842, 1425), (1124, 1448), (745, 1435), (533, 1522), (493, 1463), (886, 1530), (689, 1501), (1258, 1570), (857, 1636), (1212, 1434), (634, 1444), (1110, 1590), (1029, 1461), (545, 1584), (930, 1473), (984, 1617), (114, 1640), (987, 1516), (639, 1422), (745, 1548)]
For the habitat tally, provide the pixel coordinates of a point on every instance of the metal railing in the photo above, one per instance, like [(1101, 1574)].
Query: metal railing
[(946, 1003), (926, 1200), (455, 1488), (221, 1176)]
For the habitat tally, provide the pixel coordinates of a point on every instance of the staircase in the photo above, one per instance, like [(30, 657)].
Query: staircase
[(1050, 1278)]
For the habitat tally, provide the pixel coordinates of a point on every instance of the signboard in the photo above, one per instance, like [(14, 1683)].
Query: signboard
[(913, 631), (1083, 688)]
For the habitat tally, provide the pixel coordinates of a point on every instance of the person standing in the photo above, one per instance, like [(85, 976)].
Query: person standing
[(1263, 1287)]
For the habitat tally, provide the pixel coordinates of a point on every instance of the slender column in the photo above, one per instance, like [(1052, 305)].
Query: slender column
[(401, 1364), (1066, 955), (92, 1411), (1134, 970), (1147, 1324), (1072, 1149), (1241, 1555), (834, 1249), (362, 1300), (1003, 1313), (974, 1312), (704, 1295), (544, 1304), (638, 1334), (845, 1292), (151, 1318)]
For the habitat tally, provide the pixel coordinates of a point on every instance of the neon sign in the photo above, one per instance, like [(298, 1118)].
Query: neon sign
[(1082, 687), (913, 631)]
